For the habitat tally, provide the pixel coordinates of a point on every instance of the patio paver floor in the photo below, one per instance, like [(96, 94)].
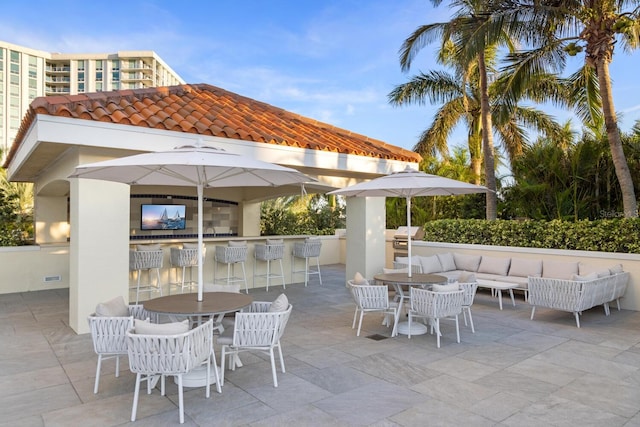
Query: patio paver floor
[(512, 372)]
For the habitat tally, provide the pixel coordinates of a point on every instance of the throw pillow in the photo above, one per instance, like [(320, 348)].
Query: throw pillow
[(238, 243), (586, 278), (616, 269), (279, 304), (447, 261), (451, 287), (359, 279), (143, 327), (115, 307), (148, 247)]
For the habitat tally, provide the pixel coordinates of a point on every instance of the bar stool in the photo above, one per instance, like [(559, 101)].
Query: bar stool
[(184, 258), (272, 251), (310, 248), (234, 253), (146, 258)]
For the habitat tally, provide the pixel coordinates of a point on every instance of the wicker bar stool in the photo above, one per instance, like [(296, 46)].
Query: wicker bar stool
[(146, 259), (235, 253), (310, 248), (273, 250), (184, 258)]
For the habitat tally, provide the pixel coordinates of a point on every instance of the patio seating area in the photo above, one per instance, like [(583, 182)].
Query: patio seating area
[(513, 371)]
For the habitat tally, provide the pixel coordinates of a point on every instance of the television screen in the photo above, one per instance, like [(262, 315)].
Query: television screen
[(163, 217)]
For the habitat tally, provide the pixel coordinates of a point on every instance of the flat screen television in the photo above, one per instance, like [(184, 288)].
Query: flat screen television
[(162, 217)]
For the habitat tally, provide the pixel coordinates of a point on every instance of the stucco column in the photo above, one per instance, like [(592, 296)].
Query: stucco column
[(99, 247), (249, 219), (366, 223)]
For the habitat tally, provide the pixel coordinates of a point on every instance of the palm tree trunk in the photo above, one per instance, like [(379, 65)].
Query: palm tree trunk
[(487, 141), (630, 205)]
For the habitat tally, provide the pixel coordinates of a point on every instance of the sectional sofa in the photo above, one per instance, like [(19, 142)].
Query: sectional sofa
[(560, 285)]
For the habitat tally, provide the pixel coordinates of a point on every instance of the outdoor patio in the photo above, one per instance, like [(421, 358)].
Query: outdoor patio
[(512, 372)]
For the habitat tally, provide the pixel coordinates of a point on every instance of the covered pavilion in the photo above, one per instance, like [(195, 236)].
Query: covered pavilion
[(93, 218)]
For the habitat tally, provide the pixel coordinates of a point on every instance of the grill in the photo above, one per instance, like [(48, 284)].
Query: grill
[(401, 239)]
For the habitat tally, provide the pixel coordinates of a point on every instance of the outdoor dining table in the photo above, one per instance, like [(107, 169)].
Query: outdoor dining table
[(187, 305), (401, 280)]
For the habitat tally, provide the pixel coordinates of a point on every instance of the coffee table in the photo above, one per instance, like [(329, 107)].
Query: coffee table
[(499, 287)]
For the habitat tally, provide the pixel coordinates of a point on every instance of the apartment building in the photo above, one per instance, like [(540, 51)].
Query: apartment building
[(27, 73)]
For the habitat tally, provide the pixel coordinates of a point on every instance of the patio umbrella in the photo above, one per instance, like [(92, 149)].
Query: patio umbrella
[(199, 166), (410, 183)]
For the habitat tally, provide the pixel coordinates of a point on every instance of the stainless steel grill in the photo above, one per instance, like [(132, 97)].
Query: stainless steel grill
[(401, 239)]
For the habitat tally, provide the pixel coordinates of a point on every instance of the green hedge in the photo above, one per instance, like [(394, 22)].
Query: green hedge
[(611, 235)]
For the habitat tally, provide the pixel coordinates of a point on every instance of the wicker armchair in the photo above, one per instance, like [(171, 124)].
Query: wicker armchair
[(373, 299), (434, 306), (258, 330), (470, 290), (109, 335), (151, 356)]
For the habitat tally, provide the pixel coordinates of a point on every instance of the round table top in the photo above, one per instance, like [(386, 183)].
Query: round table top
[(415, 279), (188, 304)]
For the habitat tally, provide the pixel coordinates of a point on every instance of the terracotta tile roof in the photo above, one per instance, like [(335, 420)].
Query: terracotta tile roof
[(208, 110)]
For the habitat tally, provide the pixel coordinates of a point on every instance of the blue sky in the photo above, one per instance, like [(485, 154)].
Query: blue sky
[(330, 60)]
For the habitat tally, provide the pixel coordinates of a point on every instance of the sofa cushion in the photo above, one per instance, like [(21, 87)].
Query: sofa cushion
[(143, 327), (148, 247), (275, 241), (585, 278), (525, 267), (446, 261), (466, 277), (522, 282), (451, 287), (559, 269), (238, 243), (494, 265), (430, 264), (451, 276), (404, 263), (115, 307), (467, 262), (395, 270), (584, 269), (489, 276)]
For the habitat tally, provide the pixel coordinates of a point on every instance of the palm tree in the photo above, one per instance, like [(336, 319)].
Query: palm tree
[(557, 29), (474, 34), (460, 98)]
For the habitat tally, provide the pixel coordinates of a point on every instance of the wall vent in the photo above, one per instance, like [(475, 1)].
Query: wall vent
[(52, 279)]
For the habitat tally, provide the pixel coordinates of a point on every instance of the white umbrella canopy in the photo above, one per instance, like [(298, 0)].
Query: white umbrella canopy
[(197, 166), (410, 183)]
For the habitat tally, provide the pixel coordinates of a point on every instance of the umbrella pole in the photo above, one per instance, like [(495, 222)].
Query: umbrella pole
[(200, 260), (409, 234)]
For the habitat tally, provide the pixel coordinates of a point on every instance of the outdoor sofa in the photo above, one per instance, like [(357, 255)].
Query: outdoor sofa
[(568, 286)]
